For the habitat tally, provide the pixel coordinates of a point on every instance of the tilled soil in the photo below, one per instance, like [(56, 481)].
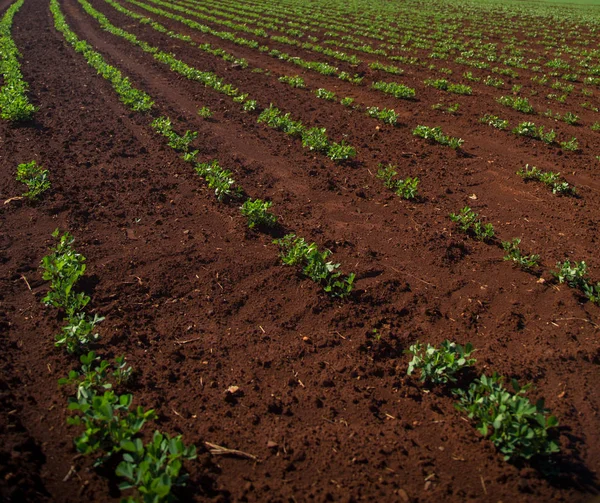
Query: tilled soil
[(199, 303)]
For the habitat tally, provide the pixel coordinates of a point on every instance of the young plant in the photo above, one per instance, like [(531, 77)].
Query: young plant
[(548, 178), (532, 131), (257, 213), (387, 116), (571, 145), (347, 101), (154, 469), (439, 366), (517, 103), (513, 252), (63, 267), (406, 188), (469, 223), (324, 94), (494, 121), (436, 134), (219, 179), (205, 113), (518, 428), (35, 177), (397, 90), (576, 277), (295, 81), (296, 251), (341, 152)]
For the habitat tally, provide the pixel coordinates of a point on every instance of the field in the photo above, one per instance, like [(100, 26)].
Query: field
[(267, 207)]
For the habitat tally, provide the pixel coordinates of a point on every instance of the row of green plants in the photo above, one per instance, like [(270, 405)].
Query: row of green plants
[(222, 182), (435, 134), (575, 276), (549, 178), (133, 98), (517, 427), (445, 85), (111, 428), (205, 47), (314, 138), (14, 104)]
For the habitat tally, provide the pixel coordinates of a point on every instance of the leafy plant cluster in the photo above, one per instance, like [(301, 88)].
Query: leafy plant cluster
[(548, 178), (112, 428), (295, 251), (14, 104), (324, 94), (516, 426), (385, 115), (394, 70), (517, 103), (295, 81), (514, 253), (406, 188), (179, 143), (445, 85), (468, 222), (530, 130), (63, 267), (35, 177), (133, 98), (257, 213), (218, 179), (436, 134), (494, 121), (451, 109), (395, 89), (576, 277), (439, 366), (313, 138)]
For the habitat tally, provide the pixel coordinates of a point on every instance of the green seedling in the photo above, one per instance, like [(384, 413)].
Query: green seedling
[(513, 252), (469, 223), (296, 251), (324, 94), (518, 428), (439, 366), (257, 213), (494, 121), (435, 134), (35, 177), (205, 113), (406, 188)]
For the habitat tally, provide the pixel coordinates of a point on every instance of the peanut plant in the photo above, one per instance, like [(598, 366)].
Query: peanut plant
[(548, 178), (435, 134), (63, 267), (406, 188), (35, 177), (513, 253), (439, 366), (257, 213), (296, 251), (469, 223), (518, 428), (576, 277)]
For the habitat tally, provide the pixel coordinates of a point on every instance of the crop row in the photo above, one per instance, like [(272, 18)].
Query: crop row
[(328, 70), (14, 104)]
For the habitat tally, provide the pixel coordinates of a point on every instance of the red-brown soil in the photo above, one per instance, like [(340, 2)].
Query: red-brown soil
[(199, 303)]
